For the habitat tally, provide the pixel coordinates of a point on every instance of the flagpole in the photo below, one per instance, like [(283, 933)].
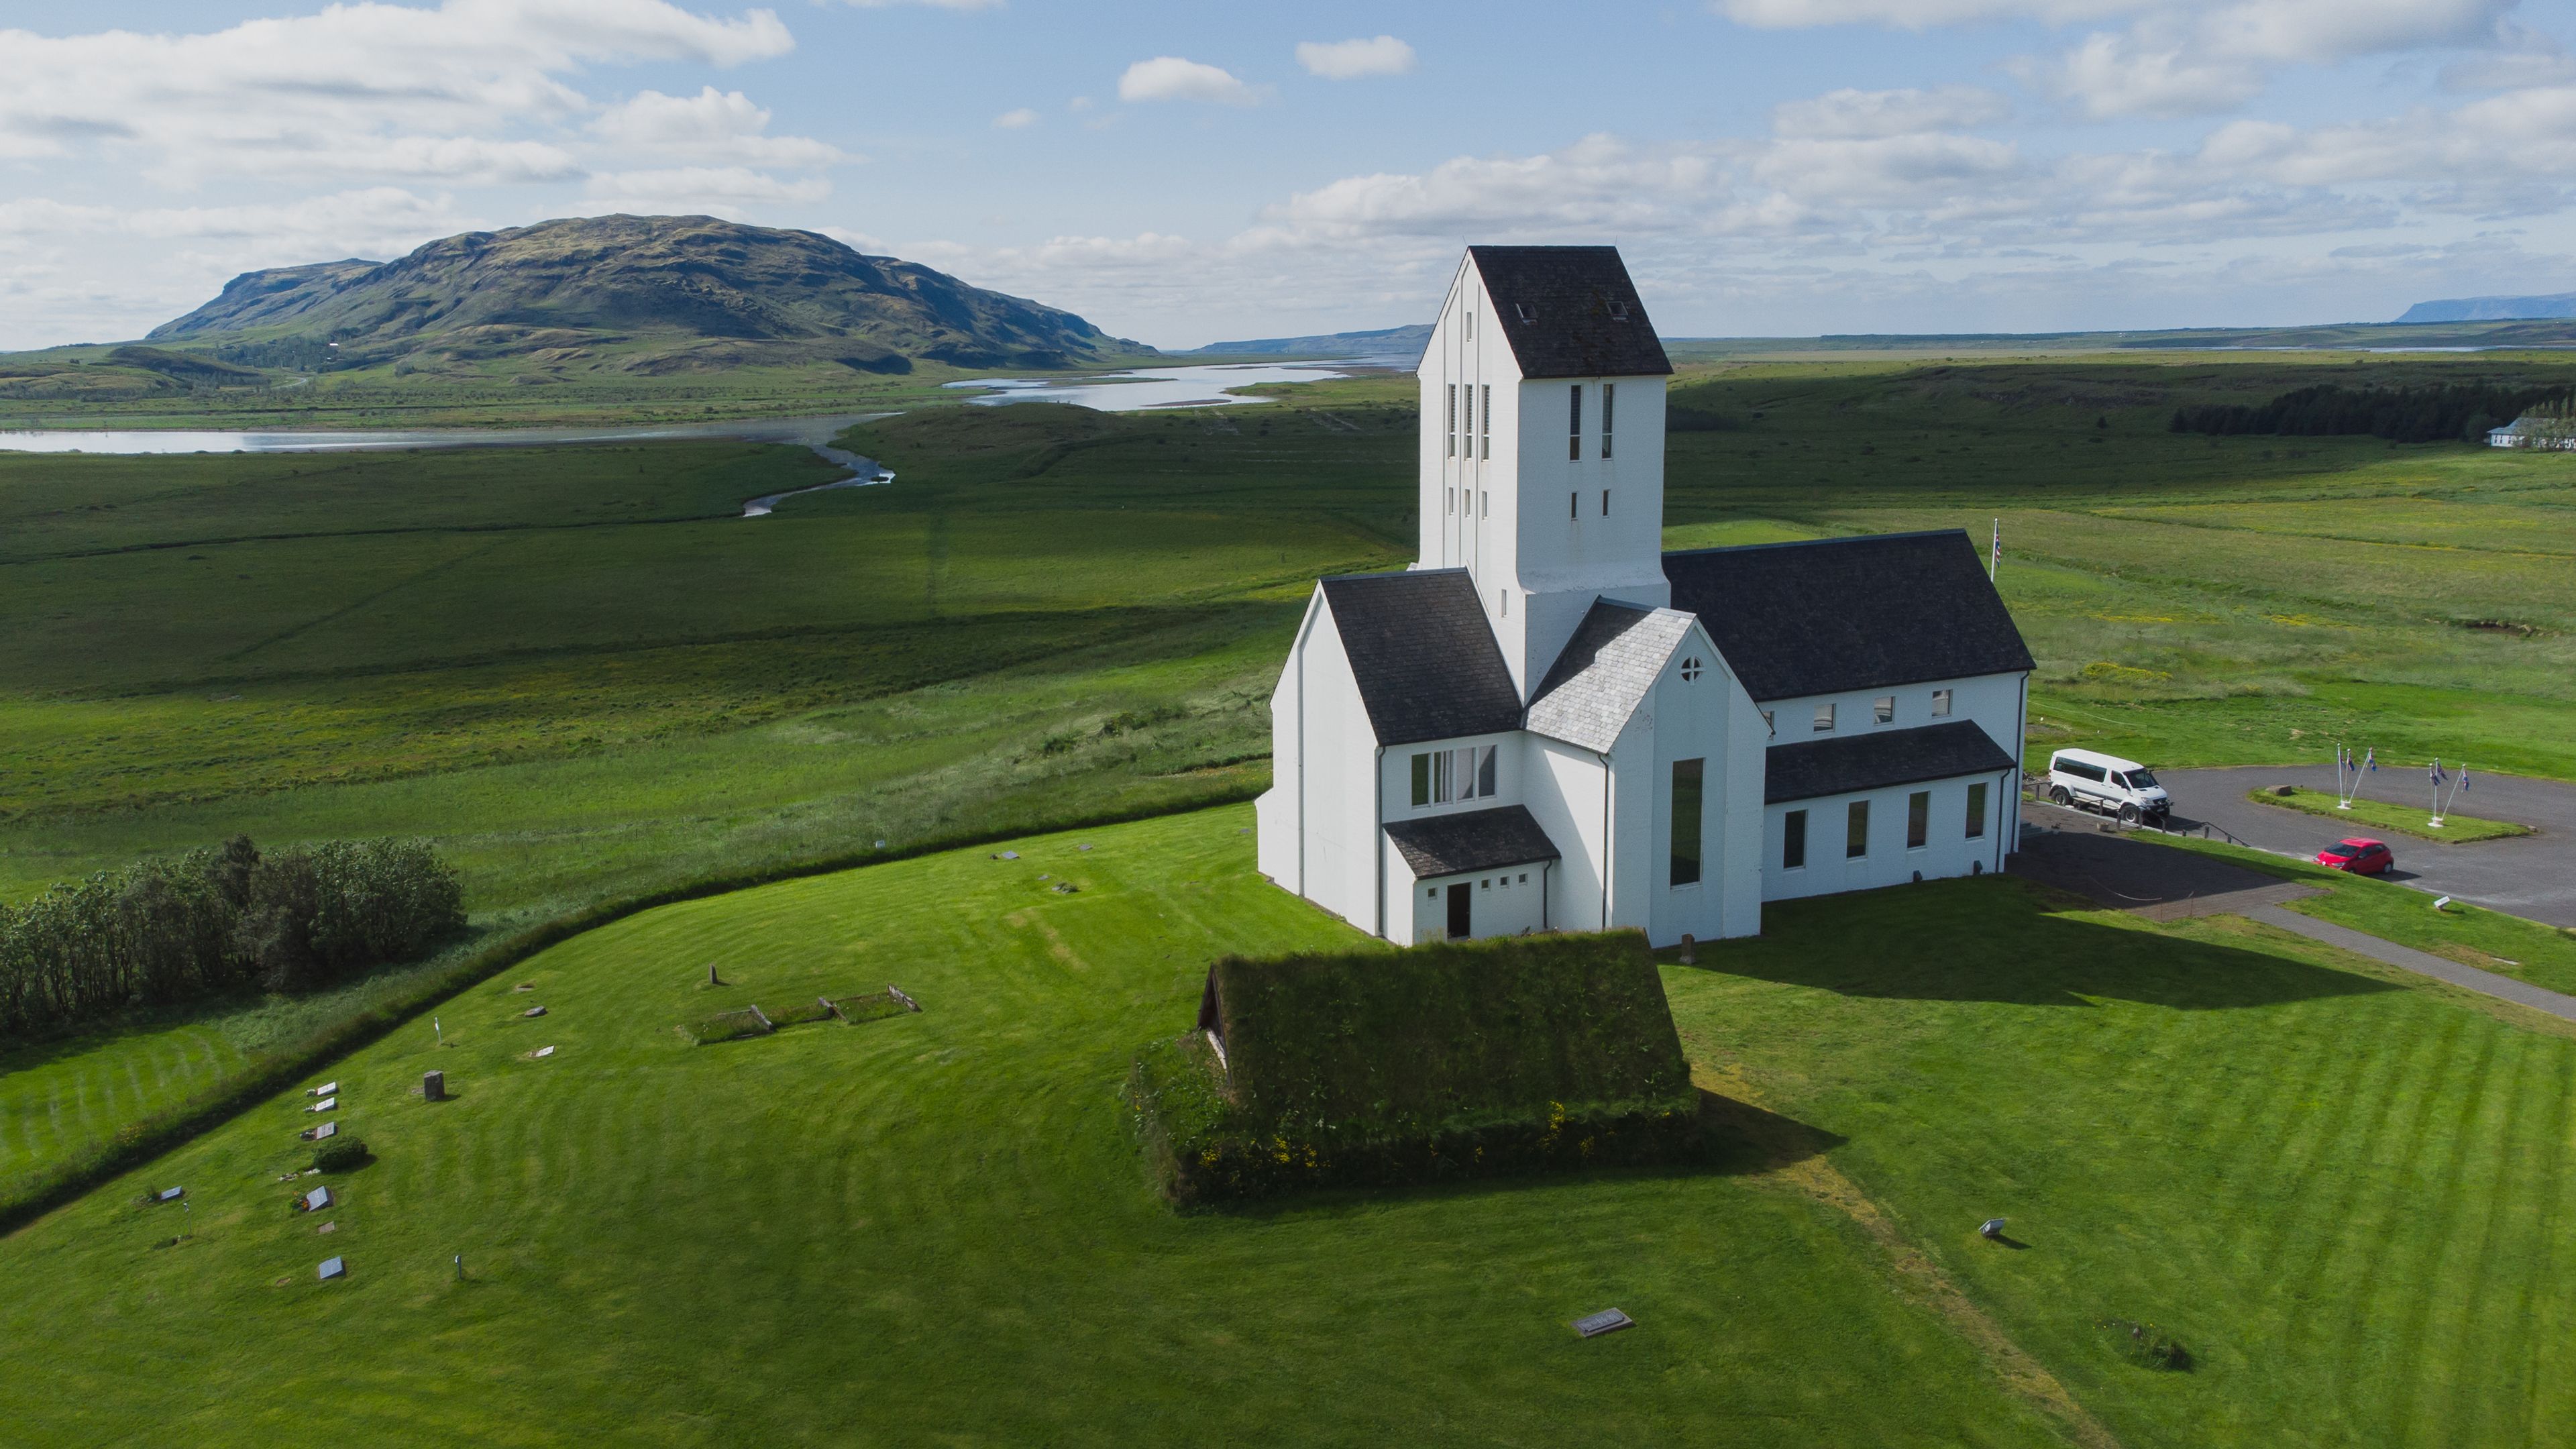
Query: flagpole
[(1995, 553)]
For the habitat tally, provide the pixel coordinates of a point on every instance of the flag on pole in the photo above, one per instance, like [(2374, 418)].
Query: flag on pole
[(2438, 776), (2464, 778), (1995, 557), (2370, 759)]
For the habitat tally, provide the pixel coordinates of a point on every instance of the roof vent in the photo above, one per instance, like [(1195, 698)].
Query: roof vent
[(1528, 312), (1618, 311)]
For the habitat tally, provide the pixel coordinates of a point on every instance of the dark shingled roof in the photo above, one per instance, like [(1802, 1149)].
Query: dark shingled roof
[(1477, 840), (1574, 296), (1426, 661), (1837, 614), (1879, 759)]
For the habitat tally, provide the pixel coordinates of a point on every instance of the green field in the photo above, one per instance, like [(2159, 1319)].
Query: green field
[(936, 1226), (581, 674)]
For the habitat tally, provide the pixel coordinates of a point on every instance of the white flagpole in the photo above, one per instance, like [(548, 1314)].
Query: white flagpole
[(1995, 553)]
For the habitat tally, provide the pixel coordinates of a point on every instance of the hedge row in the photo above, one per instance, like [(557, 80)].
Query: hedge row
[(1203, 1155), (266, 1073), (161, 932)]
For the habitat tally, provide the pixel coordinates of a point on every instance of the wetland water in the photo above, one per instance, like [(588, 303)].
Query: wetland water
[(1153, 387), (813, 433)]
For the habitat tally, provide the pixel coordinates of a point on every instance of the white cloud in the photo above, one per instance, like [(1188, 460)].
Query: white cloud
[(933, 4), (711, 125), (717, 190), (1913, 14), (1353, 59), (1014, 120), (1851, 113), (1170, 78), (366, 88)]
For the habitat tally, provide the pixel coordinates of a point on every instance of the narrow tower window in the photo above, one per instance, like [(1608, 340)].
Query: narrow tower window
[(1453, 420), (1574, 423), (1486, 450), (1605, 503), (1609, 395), (1471, 414), (1574, 505), (1686, 821)]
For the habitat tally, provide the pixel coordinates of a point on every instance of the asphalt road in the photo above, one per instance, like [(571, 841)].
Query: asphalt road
[(2532, 875)]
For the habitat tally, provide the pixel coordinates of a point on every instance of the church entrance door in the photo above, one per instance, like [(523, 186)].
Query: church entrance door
[(1461, 901)]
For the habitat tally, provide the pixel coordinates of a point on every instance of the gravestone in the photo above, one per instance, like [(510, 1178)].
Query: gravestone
[(541, 1053), (333, 1268), (325, 1105), (318, 1199), (328, 1228), (326, 1131), (170, 1194), (324, 1090), (1991, 1228), (1690, 950), (433, 1086), (534, 1011), (1608, 1320)]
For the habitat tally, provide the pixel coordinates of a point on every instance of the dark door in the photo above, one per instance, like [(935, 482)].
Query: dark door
[(1459, 897)]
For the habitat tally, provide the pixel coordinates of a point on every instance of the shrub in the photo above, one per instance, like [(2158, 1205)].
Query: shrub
[(728, 1025), (801, 1012), (875, 1006), (2145, 1345), (341, 1154)]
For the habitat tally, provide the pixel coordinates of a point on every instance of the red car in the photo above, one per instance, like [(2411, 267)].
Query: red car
[(2361, 857)]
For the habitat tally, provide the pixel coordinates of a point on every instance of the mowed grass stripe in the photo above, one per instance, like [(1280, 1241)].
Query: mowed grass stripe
[(2490, 1333), (931, 1228)]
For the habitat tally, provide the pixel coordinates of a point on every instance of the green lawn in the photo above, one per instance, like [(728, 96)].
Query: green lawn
[(2388, 815), (929, 1228)]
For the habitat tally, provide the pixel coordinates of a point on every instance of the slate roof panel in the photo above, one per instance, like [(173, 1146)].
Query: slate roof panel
[(1424, 656), (1833, 615), (1849, 764), (1473, 841), (1584, 316), (1604, 672)]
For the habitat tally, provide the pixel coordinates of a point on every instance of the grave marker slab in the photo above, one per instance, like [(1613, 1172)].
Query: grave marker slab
[(170, 1194), (328, 1228), (1608, 1320), (542, 1052), (324, 1090), (325, 1105), (333, 1268), (534, 1011), (318, 1199), (326, 1131), (433, 1086)]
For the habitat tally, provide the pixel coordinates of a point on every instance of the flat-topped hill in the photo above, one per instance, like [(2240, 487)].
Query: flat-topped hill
[(669, 293)]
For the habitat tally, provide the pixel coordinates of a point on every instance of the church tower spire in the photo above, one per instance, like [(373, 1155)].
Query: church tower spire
[(1542, 463)]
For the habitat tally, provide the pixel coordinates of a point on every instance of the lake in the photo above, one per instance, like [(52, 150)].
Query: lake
[(1154, 387)]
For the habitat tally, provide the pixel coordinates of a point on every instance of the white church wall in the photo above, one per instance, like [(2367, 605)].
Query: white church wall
[(1510, 902), (1992, 700), (1948, 850), (1462, 468), (1278, 816), (1710, 719), (1337, 866), (1395, 779), (1566, 551), (1564, 787)]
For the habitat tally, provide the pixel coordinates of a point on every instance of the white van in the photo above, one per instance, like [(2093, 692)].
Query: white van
[(2106, 783)]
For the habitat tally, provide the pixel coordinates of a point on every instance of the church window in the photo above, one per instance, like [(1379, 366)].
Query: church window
[(1824, 718), (1856, 830), (1883, 709), (1484, 504), (1690, 670), (1485, 448), (1528, 312), (1686, 821), (1453, 500), (1503, 601), (1441, 776), (1918, 819), (1574, 423), (1609, 395), (1574, 505), (1471, 419), (1940, 704), (1977, 810), (1605, 503), (1618, 311), (1453, 420), (1793, 840)]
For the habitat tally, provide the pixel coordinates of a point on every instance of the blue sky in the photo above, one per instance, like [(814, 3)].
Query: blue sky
[(1187, 172)]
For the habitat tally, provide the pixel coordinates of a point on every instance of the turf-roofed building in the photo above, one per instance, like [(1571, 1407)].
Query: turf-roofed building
[(1550, 723)]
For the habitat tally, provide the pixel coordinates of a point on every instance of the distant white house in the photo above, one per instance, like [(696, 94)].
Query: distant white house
[(2533, 430), (1549, 722)]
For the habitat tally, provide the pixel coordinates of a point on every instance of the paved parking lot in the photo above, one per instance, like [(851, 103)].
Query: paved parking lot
[(2532, 876)]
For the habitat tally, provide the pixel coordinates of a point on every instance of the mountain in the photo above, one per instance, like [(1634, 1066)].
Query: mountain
[(2492, 309), (1401, 342), (642, 294)]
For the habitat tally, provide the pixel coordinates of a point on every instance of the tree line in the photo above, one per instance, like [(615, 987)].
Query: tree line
[(172, 930), (2399, 414)]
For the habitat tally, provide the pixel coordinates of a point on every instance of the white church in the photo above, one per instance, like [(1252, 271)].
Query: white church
[(1550, 723)]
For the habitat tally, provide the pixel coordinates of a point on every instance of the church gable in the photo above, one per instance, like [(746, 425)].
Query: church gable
[(1423, 656), (1605, 672)]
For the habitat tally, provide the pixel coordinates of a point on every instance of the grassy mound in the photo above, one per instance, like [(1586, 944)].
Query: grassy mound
[(1443, 1062)]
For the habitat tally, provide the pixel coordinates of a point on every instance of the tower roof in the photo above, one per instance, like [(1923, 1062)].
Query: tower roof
[(1570, 312)]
